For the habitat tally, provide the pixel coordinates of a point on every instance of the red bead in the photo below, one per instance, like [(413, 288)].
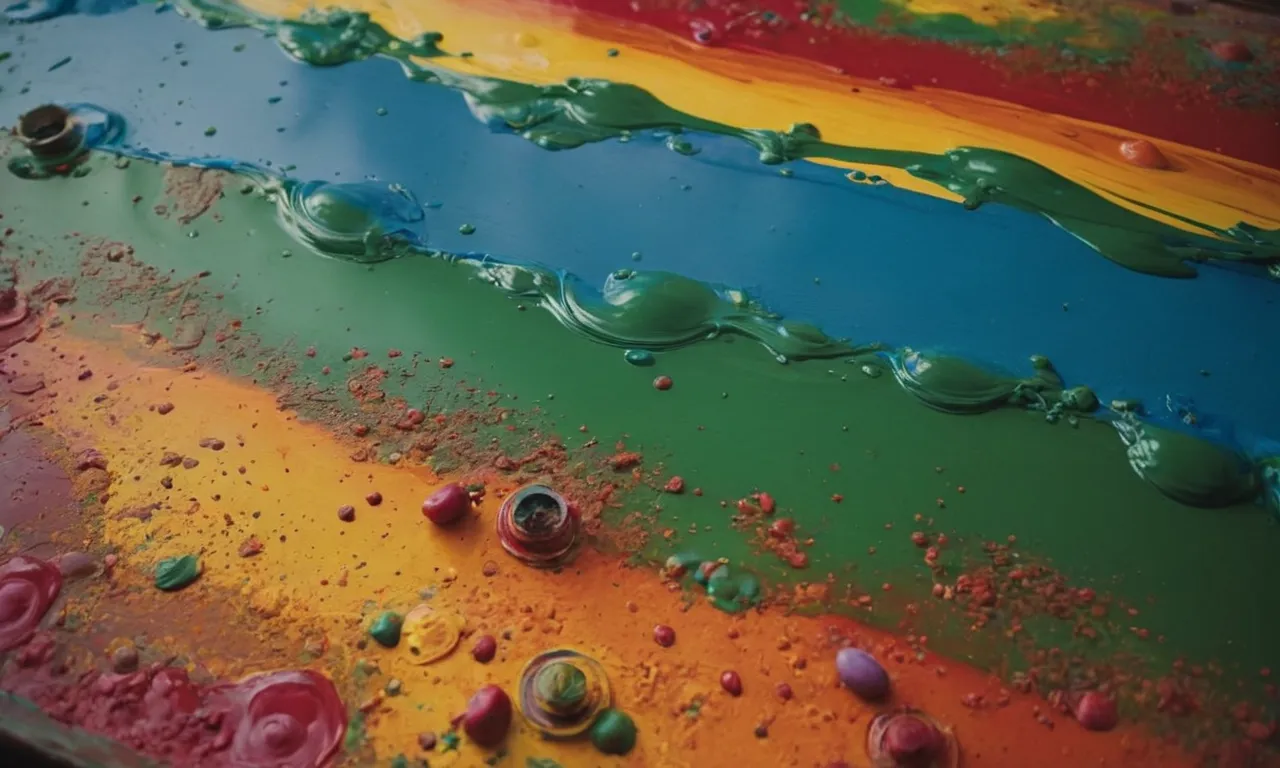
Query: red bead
[(664, 636), (731, 682), (662, 383), (484, 649)]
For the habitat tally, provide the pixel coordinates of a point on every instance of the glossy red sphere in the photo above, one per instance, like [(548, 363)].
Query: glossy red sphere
[(447, 505)]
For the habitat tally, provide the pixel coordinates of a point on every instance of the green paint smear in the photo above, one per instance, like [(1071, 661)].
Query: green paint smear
[(584, 110), (1070, 495), (1111, 31), (174, 573)]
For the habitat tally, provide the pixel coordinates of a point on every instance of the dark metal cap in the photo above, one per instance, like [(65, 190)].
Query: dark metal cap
[(50, 132)]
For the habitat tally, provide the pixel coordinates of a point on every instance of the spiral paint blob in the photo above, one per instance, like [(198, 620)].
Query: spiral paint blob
[(28, 586), (361, 221), (562, 692), (910, 739), (283, 719)]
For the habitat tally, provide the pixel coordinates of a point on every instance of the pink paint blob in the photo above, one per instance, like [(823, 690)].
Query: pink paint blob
[(28, 586)]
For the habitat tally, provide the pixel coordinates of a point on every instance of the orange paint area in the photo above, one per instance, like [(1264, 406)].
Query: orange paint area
[(167, 459)]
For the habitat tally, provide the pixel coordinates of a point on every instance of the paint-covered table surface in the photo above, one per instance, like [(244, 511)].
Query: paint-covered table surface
[(533, 383)]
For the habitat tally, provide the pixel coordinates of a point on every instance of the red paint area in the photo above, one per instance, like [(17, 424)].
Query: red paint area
[(1154, 93), (282, 719), (28, 587)]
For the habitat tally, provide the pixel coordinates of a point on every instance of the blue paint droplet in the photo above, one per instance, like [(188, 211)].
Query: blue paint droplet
[(640, 357)]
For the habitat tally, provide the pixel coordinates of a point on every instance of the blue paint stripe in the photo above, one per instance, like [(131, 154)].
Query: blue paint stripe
[(994, 284)]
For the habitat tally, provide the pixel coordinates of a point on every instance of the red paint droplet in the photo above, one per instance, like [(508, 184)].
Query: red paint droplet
[(919, 539), (731, 682), (837, 498), (488, 716), (783, 691), (346, 513), (662, 383), (767, 504), (447, 504), (446, 362), (485, 649), (374, 499), (664, 636), (1143, 154), (674, 485), (798, 560), (1096, 712), (1232, 50), (782, 528)]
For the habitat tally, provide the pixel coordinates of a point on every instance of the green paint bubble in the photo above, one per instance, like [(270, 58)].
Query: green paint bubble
[(614, 732)]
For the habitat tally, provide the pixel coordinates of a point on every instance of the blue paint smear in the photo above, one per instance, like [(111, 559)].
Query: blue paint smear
[(994, 285), (26, 11)]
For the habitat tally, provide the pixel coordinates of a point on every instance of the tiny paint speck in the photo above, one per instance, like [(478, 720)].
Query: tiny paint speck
[(466, 229), (60, 63)]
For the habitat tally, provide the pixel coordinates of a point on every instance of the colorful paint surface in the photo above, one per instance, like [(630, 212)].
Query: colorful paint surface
[(532, 383)]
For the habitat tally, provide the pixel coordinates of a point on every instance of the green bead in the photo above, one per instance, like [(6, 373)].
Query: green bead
[(174, 573), (614, 732), (386, 629)]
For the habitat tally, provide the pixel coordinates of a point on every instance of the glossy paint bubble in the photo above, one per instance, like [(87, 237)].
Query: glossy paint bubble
[(359, 221)]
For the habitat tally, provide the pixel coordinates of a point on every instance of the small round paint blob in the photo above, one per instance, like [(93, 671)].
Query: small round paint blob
[(447, 505), (731, 682), (861, 673), (488, 716), (485, 649), (639, 357), (614, 732), (1143, 154), (664, 635), (662, 383), (1096, 711)]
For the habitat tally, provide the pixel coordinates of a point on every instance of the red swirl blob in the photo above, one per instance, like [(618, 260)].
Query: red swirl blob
[(283, 720), (28, 587)]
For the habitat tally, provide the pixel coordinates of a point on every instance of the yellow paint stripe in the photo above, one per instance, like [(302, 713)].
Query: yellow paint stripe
[(536, 44)]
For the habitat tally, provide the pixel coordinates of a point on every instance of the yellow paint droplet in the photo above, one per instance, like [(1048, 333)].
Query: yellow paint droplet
[(526, 40), (429, 635)]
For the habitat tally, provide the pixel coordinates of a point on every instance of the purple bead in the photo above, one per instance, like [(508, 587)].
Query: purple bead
[(861, 673)]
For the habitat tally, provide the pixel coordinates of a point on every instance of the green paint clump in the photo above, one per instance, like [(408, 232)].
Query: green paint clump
[(1189, 469), (386, 629), (467, 229), (174, 573), (614, 732), (561, 688)]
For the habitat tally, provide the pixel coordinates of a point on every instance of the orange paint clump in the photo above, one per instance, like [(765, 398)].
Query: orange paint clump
[(1143, 154)]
